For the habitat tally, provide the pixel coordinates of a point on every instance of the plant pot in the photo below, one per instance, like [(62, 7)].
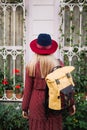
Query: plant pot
[(9, 93), (19, 95)]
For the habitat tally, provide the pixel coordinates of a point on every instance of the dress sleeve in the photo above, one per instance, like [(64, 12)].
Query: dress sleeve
[(27, 91)]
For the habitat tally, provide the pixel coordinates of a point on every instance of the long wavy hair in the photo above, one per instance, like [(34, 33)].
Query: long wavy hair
[(47, 62)]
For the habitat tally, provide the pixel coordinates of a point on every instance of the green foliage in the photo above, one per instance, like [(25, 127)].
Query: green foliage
[(11, 117), (79, 120), (9, 86), (80, 74), (1, 85)]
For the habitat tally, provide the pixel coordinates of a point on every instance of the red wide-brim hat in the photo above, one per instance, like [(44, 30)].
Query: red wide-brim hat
[(35, 47)]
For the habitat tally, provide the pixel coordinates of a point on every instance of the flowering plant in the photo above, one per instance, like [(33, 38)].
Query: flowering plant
[(18, 81), (18, 89), (7, 83)]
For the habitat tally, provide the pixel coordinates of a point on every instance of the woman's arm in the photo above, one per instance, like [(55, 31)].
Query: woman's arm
[(27, 91)]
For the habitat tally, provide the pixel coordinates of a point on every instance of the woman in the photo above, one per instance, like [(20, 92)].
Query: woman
[(35, 85)]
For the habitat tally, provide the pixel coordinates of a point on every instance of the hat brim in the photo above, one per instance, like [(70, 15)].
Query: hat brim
[(43, 51)]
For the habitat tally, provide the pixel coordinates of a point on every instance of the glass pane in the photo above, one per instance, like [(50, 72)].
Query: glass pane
[(75, 25), (19, 69), (66, 60), (74, 60), (1, 63), (1, 26), (84, 26), (74, 1), (11, 1), (19, 64), (8, 72), (67, 26), (9, 27), (9, 65), (19, 26)]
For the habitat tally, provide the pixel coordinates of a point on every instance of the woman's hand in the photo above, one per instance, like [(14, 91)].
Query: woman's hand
[(73, 110), (25, 114)]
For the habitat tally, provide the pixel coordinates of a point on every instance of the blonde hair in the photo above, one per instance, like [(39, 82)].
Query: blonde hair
[(47, 62)]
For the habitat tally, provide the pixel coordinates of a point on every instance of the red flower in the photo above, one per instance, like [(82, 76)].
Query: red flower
[(15, 71), (4, 81), (17, 86)]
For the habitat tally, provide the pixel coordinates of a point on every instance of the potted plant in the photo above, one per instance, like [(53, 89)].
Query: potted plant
[(8, 86), (19, 91), (18, 84)]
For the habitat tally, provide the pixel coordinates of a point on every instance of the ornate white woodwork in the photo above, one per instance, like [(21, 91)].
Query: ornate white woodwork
[(12, 38), (73, 28)]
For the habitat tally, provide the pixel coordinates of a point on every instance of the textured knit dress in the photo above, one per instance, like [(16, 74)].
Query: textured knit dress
[(33, 100)]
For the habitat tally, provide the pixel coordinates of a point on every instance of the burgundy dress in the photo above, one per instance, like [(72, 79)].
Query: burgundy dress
[(33, 100)]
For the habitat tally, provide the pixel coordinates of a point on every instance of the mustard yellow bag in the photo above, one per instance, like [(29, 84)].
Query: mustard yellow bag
[(60, 84)]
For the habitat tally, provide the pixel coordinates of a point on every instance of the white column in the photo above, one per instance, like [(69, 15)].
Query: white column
[(57, 24), (28, 31)]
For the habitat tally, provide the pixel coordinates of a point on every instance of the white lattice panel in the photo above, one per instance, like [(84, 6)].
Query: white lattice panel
[(73, 28), (12, 39)]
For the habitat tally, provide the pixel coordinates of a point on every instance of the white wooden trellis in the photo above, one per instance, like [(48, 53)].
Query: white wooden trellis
[(12, 42), (73, 17)]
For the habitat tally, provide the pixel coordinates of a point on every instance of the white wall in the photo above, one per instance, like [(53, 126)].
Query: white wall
[(41, 17)]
